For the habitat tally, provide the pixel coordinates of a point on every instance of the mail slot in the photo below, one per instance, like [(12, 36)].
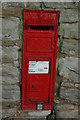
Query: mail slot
[(39, 58)]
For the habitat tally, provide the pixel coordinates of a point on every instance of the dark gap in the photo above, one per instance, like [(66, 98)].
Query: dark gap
[(45, 28), (32, 86)]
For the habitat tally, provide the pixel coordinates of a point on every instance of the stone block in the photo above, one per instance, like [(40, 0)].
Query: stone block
[(73, 77), (16, 63), (67, 114), (0, 25), (0, 114), (30, 5), (0, 70), (10, 74), (70, 30), (10, 53), (10, 28), (9, 69), (0, 58), (68, 84), (70, 63), (1, 81), (68, 68), (10, 95), (10, 80), (10, 43), (9, 87), (60, 5), (71, 94), (69, 15), (33, 5), (14, 4), (11, 11), (66, 110), (64, 106), (70, 48), (9, 112)]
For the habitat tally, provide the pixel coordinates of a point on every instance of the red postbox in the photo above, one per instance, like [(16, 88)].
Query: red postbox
[(39, 58)]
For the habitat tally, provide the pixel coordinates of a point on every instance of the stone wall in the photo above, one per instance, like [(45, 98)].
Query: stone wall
[(67, 84)]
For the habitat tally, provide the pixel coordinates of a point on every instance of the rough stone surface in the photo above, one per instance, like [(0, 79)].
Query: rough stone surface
[(10, 87), (73, 77), (10, 79), (0, 54), (10, 74), (35, 118), (68, 68), (70, 30), (71, 94), (32, 5), (39, 113), (10, 95), (0, 26), (9, 69), (10, 53), (65, 106), (70, 63), (0, 70), (66, 83), (66, 111), (10, 28), (67, 114), (8, 112), (58, 5), (69, 15), (70, 48), (0, 114), (1, 81), (12, 12), (14, 4), (16, 63), (24, 114)]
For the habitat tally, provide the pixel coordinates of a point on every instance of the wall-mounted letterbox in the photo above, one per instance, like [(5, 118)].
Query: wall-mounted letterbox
[(39, 58)]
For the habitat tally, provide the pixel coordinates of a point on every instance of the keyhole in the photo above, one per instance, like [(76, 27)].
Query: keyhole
[(32, 86)]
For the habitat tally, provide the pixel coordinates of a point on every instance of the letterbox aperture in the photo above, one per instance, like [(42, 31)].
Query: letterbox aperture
[(39, 58)]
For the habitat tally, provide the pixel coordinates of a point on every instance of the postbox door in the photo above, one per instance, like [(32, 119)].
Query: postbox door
[(38, 79)]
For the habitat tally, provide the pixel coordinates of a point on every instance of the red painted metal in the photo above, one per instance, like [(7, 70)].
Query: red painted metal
[(39, 44)]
